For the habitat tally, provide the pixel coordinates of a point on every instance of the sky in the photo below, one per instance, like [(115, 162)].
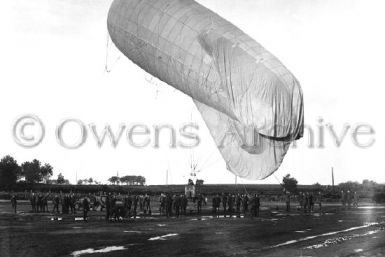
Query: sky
[(53, 58)]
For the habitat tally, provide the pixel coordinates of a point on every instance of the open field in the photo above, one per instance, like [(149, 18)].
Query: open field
[(334, 232)]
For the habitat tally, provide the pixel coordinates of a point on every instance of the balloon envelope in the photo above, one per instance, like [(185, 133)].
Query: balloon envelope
[(251, 103)]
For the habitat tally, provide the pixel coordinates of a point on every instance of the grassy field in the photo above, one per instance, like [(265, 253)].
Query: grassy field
[(332, 232)]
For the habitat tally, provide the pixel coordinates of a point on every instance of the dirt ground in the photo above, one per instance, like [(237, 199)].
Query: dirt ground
[(334, 232)]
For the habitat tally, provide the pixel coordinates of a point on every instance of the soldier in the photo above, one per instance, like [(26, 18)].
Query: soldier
[(184, 203), (230, 202), (255, 204), (320, 201), (86, 208), (14, 202), (177, 205), (162, 204), (39, 202), (119, 208), (288, 201), (200, 199), (224, 203), (349, 199), (127, 205), (136, 200), (147, 204), (45, 202), (238, 203), (311, 202), (245, 203), (306, 202), (32, 199), (343, 199), (301, 201), (108, 206), (216, 203), (168, 203), (72, 203), (141, 202), (56, 201), (355, 200)]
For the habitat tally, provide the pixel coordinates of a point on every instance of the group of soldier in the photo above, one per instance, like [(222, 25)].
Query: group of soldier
[(349, 199), (177, 204), (307, 200), (236, 203), (121, 206)]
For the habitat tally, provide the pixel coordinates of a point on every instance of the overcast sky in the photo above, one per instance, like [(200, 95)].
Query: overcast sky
[(53, 56)]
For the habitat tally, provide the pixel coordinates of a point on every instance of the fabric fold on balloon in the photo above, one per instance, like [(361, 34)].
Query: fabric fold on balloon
[(247, 154)]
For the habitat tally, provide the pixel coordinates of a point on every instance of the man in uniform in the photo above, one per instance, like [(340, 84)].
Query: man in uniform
[(355, 200), (108, 206), (199, 203), (184, 203), (245, 203), (56, 201), (86, 208), (288, 201), (14, 202), (224, 203), (238, 203), (168, 203)]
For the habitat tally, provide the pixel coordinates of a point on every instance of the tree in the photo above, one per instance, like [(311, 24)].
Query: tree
[(289, 184), (34, 172), (80, 182), (140, 180), (10, 171), (126, 179), (60, 179), (114, 179), (46, 171)]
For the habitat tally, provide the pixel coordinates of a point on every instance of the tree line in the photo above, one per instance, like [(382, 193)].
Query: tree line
[(35, 172), (128, 180), (31, 171)]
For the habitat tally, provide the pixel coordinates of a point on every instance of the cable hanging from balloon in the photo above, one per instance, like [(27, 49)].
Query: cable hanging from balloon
[(108, 48)]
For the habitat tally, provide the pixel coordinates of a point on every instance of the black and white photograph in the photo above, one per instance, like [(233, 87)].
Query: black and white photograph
[(185, 128)]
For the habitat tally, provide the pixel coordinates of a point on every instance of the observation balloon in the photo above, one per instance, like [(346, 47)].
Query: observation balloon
[(251, 103)]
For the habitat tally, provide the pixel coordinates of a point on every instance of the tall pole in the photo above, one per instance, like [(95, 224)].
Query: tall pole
[(236, 177), (167, 177), (332, 177)]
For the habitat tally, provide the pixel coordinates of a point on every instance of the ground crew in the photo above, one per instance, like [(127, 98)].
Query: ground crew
[(14, 202), (288, 202), (86, 208)]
